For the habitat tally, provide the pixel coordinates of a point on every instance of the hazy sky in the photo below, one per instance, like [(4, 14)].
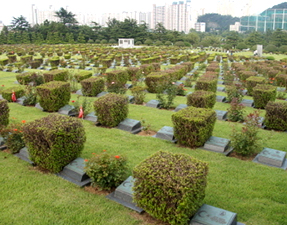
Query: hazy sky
[(11, 9)]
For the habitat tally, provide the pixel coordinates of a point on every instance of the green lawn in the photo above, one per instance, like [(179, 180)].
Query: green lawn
[(257, 193)]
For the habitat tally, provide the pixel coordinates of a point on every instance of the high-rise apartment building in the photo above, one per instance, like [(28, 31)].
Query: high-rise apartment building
[(176, 16)]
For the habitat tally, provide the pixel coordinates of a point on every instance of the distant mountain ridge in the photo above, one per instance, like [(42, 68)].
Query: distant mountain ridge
[(282, 5)]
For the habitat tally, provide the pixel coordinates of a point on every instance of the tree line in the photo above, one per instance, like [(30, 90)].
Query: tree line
[(67, 30)]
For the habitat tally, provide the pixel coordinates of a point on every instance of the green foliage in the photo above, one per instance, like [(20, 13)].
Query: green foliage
[(170, 186), (55, 61), (106, 170), (276, 116), (81, 75), (193, 126), (139, 93), (54, 141), (116, 81), (13, 136), (85, 103), (93, 86), (235, 111), (281, 80), (251, 82), (234, 91), (7, 93), (201, 99), (262, 94), (166, 93), (155, 80), (30, 77), (53, 95), (30, 96), (111, 109), (246, 141), (4, 113), (206, 83), (56, 75)]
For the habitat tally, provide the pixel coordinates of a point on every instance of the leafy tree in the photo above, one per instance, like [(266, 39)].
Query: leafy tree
[(159, 32), (233, 38), (255, 38), (279, 37), (20, 24), (66, 17), (216, 21), (81, 38)]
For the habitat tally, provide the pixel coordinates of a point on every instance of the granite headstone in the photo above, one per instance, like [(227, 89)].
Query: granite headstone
[(74, 172), (166, 133), (130, 125)]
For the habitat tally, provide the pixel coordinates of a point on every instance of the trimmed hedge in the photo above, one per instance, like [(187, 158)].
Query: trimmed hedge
[(56, 75), (251, 82), (193, 126), (201, 99), (244, 75), (4, 113), (262, 94), (53, 95), (82, 75), (7, 93), (276, 116), (170, 186), (54, 141), (93, 86), (156, 79), (281, 80), (28, 77), (206, 83), (116, 81), (111, 109)]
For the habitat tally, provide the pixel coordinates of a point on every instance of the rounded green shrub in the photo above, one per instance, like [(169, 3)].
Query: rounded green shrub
[(170, 186), (111, 109), (193, 126), (54, 141)]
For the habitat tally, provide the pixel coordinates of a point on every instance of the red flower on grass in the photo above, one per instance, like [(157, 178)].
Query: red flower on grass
[(86, 160), (15, 129), (23, 121), (117, 156)]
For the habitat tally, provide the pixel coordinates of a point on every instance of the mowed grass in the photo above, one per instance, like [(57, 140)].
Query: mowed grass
[(257, 193)]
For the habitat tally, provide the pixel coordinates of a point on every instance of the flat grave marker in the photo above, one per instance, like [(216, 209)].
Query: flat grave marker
[(220, 98), (79, 92), (179, 107), (222, 89), (217, 144), (24, 155), (210, 215), (272, 157), (166, 133), (91, 117), (124, 195), (130, 125), (221, 114), (68, 110), (153, 103), (21, 100), (102, 94), (74, 172), (247, 102)]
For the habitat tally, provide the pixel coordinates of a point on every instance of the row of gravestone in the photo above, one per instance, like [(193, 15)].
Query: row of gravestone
[(123, 194)]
